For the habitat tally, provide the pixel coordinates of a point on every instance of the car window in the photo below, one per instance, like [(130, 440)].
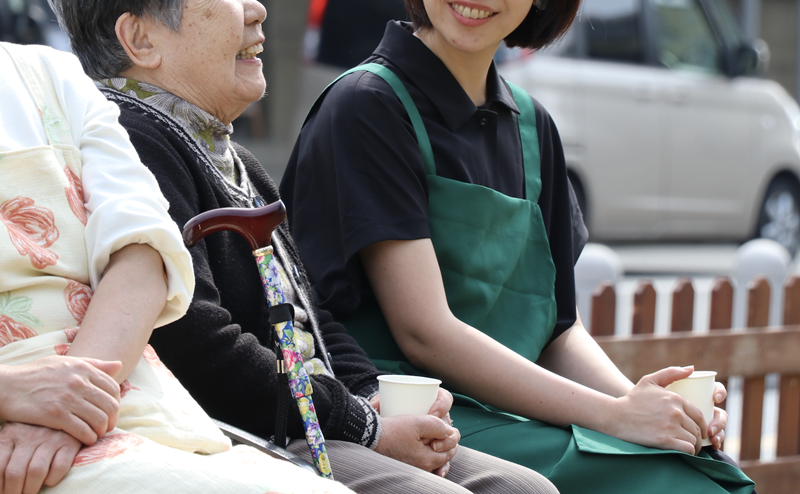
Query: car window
[(728, 28), (612, 29), (685, 39)]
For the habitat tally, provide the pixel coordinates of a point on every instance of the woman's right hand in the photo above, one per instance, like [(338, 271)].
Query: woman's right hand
[(652, 416), (75, 395)]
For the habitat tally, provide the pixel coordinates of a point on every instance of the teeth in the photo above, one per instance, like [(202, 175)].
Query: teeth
[(470, 13), (250, 52)]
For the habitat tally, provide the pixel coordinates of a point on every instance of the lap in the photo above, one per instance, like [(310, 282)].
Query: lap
[(605, 464), (366, 472), (127, 463)]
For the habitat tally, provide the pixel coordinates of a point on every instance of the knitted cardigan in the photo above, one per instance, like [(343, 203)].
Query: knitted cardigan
[(221, 350)]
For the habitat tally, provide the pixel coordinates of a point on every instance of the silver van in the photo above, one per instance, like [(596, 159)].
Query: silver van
[(668, 131)]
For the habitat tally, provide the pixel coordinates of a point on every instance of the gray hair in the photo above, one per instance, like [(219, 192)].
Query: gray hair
[(90, 25)]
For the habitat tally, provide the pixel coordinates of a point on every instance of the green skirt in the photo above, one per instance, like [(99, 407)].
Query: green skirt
[(580, 461)]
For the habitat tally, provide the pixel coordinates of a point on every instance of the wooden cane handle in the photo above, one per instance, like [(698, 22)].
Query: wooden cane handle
[(255, 225)]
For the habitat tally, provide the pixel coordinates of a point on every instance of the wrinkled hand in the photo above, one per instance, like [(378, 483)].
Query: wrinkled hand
[(716, 429), (652, 416), (75, 395), (31, 455), (423, 441)]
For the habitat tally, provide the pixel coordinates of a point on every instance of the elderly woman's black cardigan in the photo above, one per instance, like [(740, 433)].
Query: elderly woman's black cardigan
[(220, 350)]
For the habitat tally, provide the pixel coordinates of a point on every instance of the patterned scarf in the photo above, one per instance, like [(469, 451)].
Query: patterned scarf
[(207, 130)]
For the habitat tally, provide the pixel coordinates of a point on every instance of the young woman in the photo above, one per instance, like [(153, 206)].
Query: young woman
[(430, 201)]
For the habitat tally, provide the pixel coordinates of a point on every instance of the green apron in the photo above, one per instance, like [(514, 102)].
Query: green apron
[(499, 277)]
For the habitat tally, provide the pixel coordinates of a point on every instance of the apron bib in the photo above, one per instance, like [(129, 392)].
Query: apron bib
[(492, 250), (43, 259)]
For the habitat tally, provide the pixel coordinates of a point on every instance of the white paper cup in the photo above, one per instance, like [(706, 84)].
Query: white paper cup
[(698, 389), (407, 395)]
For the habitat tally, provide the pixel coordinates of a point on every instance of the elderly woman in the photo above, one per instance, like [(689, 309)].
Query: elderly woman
[(91, 262), (181, 72)]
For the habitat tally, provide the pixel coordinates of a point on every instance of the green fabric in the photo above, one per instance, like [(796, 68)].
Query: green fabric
[(496, 265), (499, 276), (578, 460)]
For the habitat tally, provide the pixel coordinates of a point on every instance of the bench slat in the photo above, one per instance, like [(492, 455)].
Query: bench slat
[(779, 476), (751, 353)]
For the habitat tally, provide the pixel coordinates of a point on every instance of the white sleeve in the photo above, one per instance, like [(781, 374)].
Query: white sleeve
[(124, 204)]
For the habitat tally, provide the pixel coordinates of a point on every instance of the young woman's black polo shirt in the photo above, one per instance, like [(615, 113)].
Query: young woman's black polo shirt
[(356, 176)]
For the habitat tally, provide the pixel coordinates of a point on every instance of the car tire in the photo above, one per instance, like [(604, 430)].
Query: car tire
[(779, 218)]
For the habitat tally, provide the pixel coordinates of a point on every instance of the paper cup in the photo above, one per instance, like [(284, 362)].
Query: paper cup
[(698, 389), (407, 395)]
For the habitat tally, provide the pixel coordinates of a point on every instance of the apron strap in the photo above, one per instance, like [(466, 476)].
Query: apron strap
[(529, 138), (43, 93), (526, 122), (402, 93)]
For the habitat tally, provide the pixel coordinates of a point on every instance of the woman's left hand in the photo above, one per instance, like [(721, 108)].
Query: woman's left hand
[(716, 429)]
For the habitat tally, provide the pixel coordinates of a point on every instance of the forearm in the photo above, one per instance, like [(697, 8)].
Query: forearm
[(472, 362), (124, 308), (576, 356)]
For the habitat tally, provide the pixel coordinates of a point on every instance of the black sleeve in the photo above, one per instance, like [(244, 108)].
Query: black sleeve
[(228, 367), (563, 221), (355, 143)]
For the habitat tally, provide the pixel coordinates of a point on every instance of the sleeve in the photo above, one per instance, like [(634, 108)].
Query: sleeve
[(230, 370), (563, 221), (122, 199), (357, 141)]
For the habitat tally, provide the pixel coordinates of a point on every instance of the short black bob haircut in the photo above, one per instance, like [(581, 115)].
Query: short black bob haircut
[(540, 27)]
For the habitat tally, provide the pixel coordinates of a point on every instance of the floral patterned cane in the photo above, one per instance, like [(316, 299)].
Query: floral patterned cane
[(256, 225)]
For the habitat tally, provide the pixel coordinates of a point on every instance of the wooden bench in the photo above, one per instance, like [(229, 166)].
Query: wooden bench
[(751, 352)]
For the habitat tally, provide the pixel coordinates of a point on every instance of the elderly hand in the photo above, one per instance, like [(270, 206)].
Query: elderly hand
[(716, 429), (31, 455), (423, 441), (652, 416), (76, 395)]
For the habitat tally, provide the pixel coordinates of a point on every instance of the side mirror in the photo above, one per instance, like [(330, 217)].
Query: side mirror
[(749, 59)]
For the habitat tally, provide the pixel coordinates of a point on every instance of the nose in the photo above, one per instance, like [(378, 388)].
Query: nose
[(255, 12)]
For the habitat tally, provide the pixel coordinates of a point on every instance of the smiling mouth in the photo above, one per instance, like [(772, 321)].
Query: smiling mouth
[(471, 13), (250, 52)]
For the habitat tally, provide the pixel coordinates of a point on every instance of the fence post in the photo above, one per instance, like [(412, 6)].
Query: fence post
[(721, 310), (789, 402), (753, 387), (682, 306), (604, 309), (644, 308), (721, 314)]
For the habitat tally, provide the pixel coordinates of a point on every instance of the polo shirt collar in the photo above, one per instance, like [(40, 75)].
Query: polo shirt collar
[(428, 73)]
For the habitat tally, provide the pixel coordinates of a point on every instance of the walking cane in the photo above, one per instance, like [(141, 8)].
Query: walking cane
[(256, 226)]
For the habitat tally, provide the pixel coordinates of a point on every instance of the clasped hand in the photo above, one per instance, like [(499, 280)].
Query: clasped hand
[(428, 441), (51, 406), (652, 416)]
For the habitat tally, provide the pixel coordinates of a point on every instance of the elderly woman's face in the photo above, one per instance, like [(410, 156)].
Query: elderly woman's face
[(212, 61)]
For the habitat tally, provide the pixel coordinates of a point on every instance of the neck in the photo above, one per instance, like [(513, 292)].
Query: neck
[(470, 69)]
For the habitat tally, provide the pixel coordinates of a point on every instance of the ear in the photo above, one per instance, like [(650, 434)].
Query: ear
[(134, 34)]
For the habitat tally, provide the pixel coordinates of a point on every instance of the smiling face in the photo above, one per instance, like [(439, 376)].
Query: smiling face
[(211, 62), (470, 27)]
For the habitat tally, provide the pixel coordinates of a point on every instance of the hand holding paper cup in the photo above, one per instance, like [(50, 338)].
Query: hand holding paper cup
[(698, 389), (407, 395)]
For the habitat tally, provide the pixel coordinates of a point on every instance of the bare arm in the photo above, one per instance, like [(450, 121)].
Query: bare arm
[(406, 274), (123, 310)]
